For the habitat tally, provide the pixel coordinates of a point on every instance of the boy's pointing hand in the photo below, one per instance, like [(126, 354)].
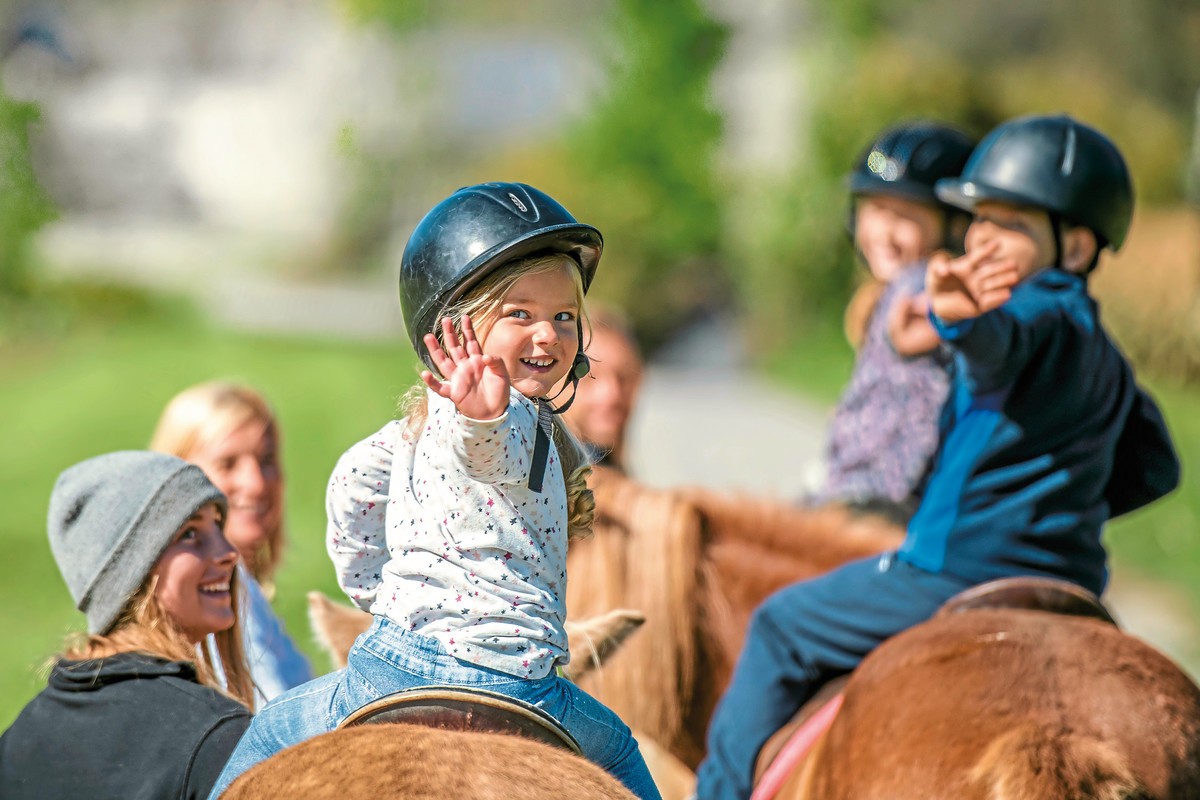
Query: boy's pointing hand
[(970, 285)]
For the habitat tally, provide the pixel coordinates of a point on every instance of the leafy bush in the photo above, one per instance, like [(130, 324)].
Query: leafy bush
[(643, 163), (23, 205), (787, 233)]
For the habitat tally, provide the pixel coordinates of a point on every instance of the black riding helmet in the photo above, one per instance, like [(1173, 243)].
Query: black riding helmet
[(474, 231), (906, 161), (467, 236), (1055, 163)]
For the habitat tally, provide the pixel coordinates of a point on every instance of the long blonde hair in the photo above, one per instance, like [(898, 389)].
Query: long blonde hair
[(206, 413), (482, 304), (144, 626)]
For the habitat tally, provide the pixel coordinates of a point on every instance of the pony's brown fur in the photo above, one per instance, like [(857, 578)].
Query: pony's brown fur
[(391, 760), (696, 563), (1010, 704), (984, 705), (675, 781)]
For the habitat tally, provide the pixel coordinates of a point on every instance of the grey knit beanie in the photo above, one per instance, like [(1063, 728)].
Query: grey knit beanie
[(110, 519)]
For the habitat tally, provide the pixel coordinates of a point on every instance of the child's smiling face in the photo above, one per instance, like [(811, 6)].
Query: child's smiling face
[(893, 232), (535, 331), (1021, 236)]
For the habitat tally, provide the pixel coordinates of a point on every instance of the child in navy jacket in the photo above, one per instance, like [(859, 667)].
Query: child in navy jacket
[(1046, 434)]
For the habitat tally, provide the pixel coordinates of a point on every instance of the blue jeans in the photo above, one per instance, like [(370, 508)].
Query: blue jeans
[(389, 659), (801, 637)]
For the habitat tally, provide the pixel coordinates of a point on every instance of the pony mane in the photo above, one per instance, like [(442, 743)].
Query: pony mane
[(644, 553), (696, 563)]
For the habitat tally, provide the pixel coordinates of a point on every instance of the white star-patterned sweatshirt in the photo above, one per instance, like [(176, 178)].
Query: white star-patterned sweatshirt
[(443, 536)]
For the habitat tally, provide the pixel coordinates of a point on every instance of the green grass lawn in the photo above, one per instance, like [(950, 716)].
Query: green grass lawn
[(70, 396)]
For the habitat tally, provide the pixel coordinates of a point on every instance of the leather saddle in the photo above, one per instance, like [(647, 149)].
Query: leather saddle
[(455, 708), (1032, 594)]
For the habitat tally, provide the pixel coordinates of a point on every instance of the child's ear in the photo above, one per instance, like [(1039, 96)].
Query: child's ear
[(1080, 247)]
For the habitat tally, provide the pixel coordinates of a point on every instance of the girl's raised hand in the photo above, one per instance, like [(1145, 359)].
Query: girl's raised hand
[(970, 285), (909, 328), (475, 382)]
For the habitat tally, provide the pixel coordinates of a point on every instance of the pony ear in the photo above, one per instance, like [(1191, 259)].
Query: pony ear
[(594, 639), (335, 626)]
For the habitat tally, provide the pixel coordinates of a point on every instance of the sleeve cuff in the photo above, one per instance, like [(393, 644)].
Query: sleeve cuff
[(951, 331), (483, 423), (472, 429)]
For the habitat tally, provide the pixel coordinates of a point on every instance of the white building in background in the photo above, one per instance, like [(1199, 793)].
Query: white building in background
[(179, 136)]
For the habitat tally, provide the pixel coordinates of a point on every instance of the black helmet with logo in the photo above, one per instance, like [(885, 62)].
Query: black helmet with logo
[(1051, 162), (474, 231), (908, 159)]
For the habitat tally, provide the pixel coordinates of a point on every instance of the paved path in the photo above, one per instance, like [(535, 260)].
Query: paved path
[(704, 418)]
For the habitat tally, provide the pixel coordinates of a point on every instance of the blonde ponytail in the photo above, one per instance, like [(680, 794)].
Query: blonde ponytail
[(577, 468)]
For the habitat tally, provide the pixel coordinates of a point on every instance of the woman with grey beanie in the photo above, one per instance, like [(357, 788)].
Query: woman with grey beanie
[(133, 708)]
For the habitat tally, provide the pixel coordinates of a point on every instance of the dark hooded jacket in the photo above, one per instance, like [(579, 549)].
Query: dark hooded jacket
[(130, 726)]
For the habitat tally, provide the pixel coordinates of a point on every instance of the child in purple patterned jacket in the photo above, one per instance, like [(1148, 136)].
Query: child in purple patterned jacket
[(885, 428)]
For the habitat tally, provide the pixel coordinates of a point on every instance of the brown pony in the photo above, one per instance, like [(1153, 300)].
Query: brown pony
[(696, 564), (591, 642), (392, 760), (990, 702), (1009, 704)]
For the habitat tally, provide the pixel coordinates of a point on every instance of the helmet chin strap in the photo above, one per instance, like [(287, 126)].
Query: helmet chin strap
[(1056, 232), (545, 420), (580, 367)]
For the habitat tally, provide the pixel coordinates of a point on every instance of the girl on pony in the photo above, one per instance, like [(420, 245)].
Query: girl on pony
[(451, 525), (884, 432), (136, 707)]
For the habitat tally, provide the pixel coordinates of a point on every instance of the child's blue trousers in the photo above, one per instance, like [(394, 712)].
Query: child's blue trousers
[(388, 658), (801, 637)]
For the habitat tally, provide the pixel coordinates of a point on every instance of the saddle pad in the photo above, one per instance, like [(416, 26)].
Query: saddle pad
[(797, 747)]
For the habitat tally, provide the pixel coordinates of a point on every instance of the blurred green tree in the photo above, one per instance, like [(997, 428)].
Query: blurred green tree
[(400, 15), (642, 162), (869, 63), (24, 207)]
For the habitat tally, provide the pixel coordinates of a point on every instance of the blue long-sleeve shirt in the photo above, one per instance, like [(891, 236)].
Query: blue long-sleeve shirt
[(1045, 437)]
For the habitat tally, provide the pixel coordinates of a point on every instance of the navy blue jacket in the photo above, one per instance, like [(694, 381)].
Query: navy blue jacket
[(1046, 435)]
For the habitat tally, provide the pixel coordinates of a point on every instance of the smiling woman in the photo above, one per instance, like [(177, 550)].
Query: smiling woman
[(194, 576), (138, 539), (230, 432)]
